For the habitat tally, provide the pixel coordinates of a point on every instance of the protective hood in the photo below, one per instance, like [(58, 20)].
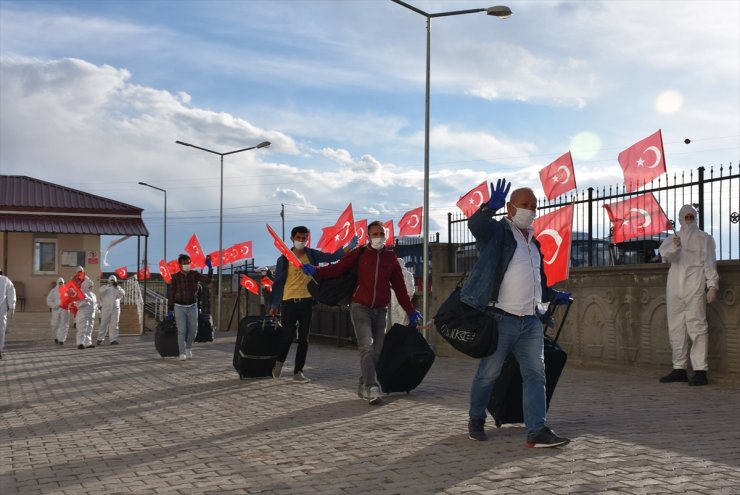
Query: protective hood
[(60, 280), (80, 269), (112, 279), (687, 210)]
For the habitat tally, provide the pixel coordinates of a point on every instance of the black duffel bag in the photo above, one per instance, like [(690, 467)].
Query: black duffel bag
[(468, 330)]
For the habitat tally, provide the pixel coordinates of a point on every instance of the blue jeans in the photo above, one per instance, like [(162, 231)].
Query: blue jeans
[(369, 325), (186, 318), (521, 336)]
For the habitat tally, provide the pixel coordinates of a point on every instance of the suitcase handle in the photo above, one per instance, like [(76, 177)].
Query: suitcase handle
[(551, 311)]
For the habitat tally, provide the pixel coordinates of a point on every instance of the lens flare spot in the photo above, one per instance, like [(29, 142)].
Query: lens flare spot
[(585, 145), (669, 102)]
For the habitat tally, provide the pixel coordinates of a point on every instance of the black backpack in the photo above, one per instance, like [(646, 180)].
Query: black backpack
[(335, 291)]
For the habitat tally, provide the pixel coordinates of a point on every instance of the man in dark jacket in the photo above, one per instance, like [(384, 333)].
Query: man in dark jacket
[(291, 298), (182, 303), (377, 272)]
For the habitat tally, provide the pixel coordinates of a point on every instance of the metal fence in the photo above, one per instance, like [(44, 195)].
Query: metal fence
[(715, 195)]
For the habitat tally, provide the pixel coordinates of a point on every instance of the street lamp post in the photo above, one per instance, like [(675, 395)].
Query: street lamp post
[(164, 254), (263, 144), (499, 11)]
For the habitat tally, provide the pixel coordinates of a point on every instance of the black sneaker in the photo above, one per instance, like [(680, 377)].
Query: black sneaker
[(100, 342), (61, 343), (115, 342), (699, 378), (56, 341), (675, 376), (476, 429), (546, 438), (80, 346)]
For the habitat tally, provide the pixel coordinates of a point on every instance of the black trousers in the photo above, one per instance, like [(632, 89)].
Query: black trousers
[(296, 313)]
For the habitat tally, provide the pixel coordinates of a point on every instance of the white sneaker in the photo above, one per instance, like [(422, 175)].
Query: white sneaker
[(300, 378), (189, 353), (183, 357), (374, 395), (277, 370)]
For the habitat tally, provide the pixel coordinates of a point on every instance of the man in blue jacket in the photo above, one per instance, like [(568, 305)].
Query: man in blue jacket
[(509, 276), (291, 298)]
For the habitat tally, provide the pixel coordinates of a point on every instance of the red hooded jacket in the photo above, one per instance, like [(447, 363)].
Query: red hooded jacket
[(377, 272)]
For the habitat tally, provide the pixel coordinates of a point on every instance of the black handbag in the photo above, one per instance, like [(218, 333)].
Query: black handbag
[(470, 331)]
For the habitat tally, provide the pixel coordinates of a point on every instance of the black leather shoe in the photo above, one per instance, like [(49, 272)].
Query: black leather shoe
[(699, 378), (80, 346), (675, 376), (115, 342)]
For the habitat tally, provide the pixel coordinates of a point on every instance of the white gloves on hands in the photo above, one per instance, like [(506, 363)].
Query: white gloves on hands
[(711, 295)]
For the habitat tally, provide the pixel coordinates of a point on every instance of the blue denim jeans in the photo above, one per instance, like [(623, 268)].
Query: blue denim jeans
[(521, 336), (369, 325), (186, 318)]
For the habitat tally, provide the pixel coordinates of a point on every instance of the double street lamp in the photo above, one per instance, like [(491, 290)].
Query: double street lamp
[(263, 144), (164, 255), (499, 11)]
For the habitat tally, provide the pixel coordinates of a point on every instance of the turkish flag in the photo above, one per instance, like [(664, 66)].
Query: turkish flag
[(290, 255), (249, 284), (342, 231), (173, 267), (471, 201), (144, 274), (68, 294), (388, 228), (643, 161), (243, 250), (121, 273), (326, 236), (559, 177), (554, 232), (410, 223), (197, 258), (266, 283), (215, 258), (361, 232), (638, 216), (164, 272), (308, 239)]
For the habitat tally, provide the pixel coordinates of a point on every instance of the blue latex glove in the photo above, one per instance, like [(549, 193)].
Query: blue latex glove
[(308, 269), (563, 297), (208, 262), (498, 195), (170, 315), (353, 243), (414, 318)]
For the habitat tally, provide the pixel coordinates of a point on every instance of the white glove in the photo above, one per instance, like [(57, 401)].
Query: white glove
[(711, 295), (677, 240), (11, 312)]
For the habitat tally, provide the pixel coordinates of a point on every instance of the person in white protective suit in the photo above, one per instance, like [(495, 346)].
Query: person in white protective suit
[(692, 284), (59, 316), (398, 314), (110, 302), (85, 319), (7, 307)]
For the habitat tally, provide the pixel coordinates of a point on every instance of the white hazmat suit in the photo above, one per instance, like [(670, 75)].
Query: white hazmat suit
[(398, 314), (691, 253), (110, 302), (59, 316), (7, 307), (85, 319)]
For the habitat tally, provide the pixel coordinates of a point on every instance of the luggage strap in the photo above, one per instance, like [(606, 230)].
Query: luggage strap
[(252, 356)]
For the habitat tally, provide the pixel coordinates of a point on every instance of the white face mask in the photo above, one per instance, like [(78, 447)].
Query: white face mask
[(523, 218), (299, 245), (377, 242), (185, 268)]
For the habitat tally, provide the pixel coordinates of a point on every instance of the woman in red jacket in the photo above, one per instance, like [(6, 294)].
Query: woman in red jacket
[(377, 272)]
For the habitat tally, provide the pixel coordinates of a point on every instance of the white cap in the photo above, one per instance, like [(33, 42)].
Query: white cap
[(80, 269)]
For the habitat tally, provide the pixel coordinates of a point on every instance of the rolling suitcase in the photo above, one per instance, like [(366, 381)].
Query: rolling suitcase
[(506, 400), (257, 346), (205, 328), (404, 360), (165, 339)]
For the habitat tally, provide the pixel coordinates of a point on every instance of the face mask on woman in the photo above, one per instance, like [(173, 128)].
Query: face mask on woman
[(377, 242), (523, 218)]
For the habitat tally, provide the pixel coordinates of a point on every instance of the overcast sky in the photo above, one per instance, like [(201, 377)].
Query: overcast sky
[(94, 94)]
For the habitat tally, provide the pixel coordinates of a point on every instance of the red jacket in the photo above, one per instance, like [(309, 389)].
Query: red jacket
[(377, 272)]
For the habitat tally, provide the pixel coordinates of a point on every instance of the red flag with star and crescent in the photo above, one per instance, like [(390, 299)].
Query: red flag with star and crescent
[(554, 232), (250, 285), (121, 273), (173, 267), (326, 236), (361, 231), (165, 272), (144, 274), (197, 258), (559, 177), (471, 200), (389, 237), (410, 223), (643, 161), (266, 283), (69, 293), (341, 233), (285, 250), (638, 216), (243, 250)]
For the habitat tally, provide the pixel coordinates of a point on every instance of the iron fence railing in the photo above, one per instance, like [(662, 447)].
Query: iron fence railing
[(715, 195)]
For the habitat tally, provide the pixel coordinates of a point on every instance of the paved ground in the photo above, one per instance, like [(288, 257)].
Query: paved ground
[(122, 420)]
